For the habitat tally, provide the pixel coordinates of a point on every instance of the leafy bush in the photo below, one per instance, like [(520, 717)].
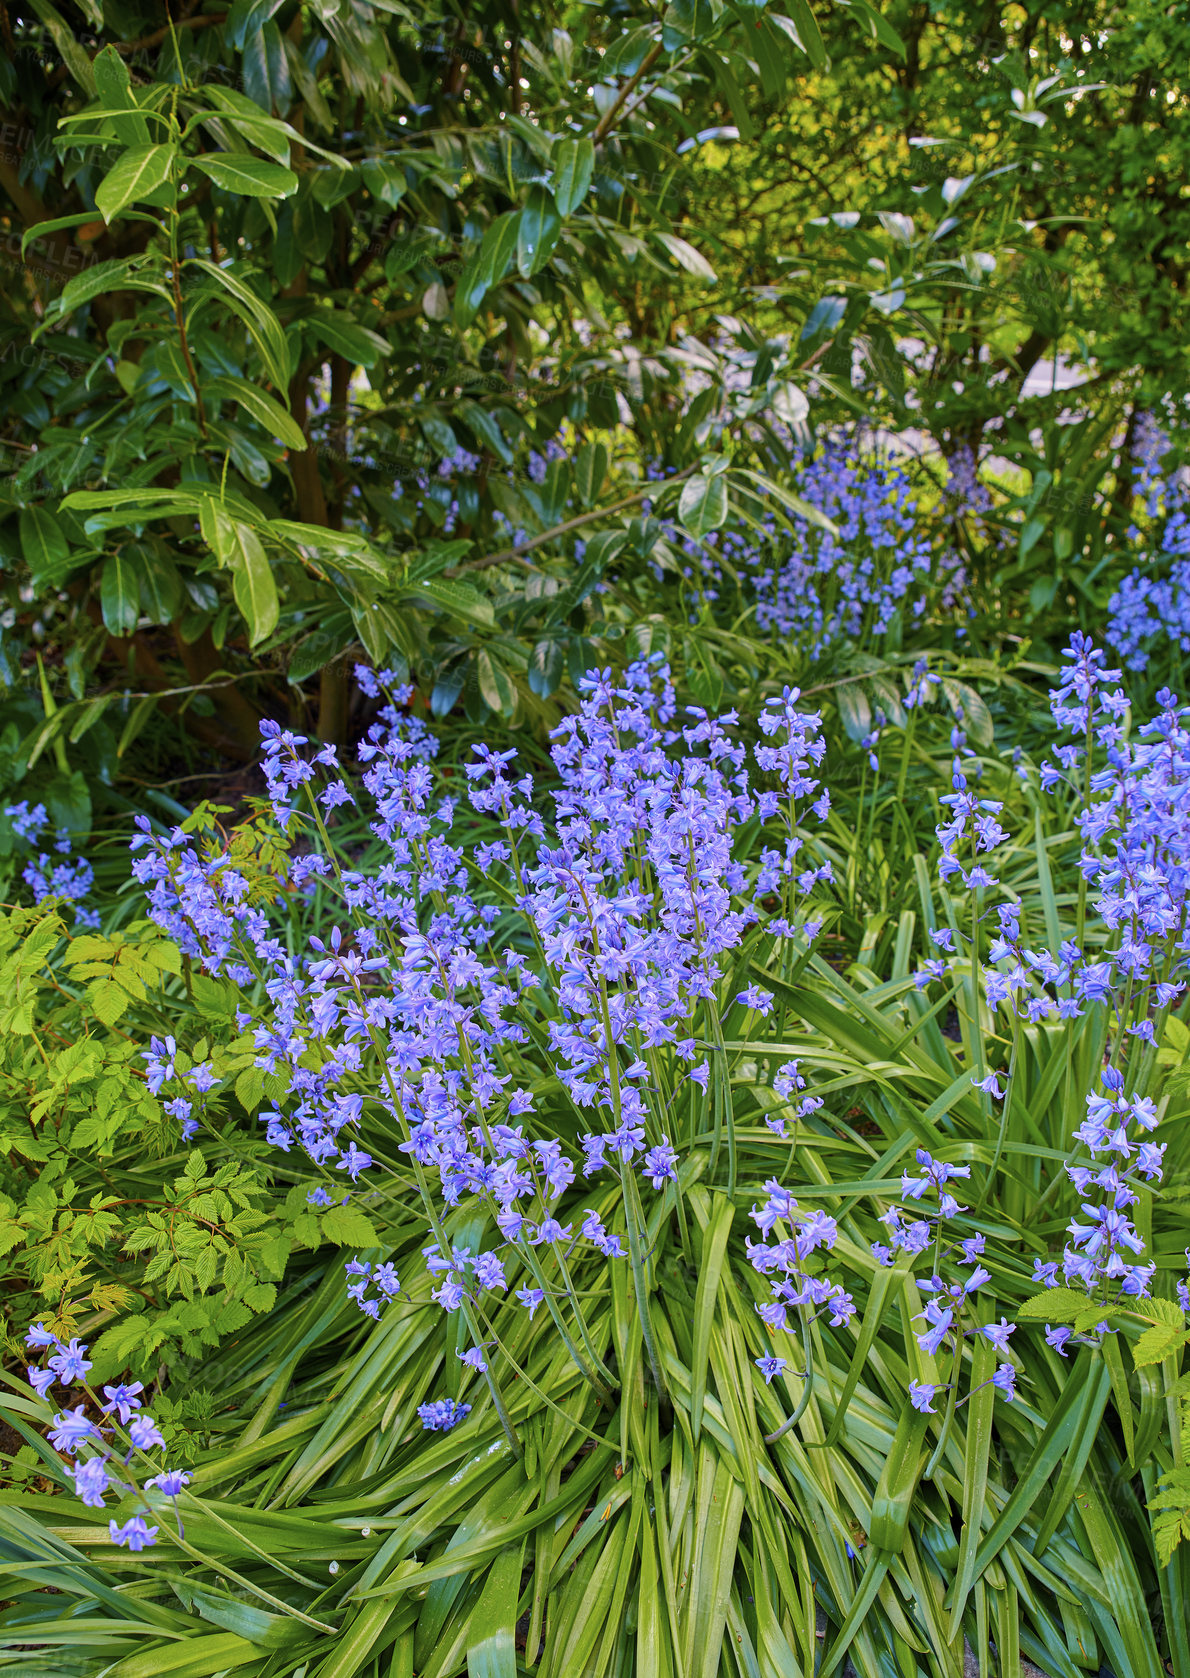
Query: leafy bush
[(111, 1224)]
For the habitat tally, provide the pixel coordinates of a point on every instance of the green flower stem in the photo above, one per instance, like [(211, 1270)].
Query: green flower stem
[(951, 1401), (906, 751), (529, 1382), (439, 1235), (1005, 1109), (580, 1363), (584, 1333), (807, 1388), (423, 1186), (274, 1602), (636, 1257)]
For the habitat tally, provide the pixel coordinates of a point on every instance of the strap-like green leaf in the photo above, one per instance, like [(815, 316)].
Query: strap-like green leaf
[(119, 594), (491, 1634), (265, 409), (1082, 1392)]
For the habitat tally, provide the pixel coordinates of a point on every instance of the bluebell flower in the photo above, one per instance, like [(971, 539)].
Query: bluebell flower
[(144, 1432), (135, 1533), (70, 1362), (71, 1429), (91, 1480), (171, 1483), (442, 1415), (1004, 1380), (124, 1398)]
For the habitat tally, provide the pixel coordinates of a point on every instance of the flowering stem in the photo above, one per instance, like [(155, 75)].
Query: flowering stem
[(1081, 917), (951, 1399), (524, 1376), (628, 1189), (636, 1258), (1005, 1105), (580, 1363), (723, 1104), (584, 1334), (256, 1590), (439, 1235), (906, 749), (977, 1055), (807, 1389)]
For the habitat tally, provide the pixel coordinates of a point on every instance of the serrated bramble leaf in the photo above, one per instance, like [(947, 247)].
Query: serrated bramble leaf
[(1057, 1305), (348, 1227), (1157, 1343)]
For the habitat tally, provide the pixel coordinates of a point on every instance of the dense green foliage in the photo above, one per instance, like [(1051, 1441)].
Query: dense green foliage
[(493, 349)]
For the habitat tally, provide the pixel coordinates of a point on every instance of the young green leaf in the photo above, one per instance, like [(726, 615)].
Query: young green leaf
[(135, 177)]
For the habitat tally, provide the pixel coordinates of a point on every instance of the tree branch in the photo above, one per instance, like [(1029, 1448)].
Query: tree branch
[(514, 554), (606, 122)]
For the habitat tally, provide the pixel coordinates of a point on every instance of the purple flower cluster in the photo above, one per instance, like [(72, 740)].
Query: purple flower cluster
[(442, 1415), (784, 1261), (1133, 811), (1130, 793), (101, 1469), (1151, 606), (585, 935), (818, 588), (966, 496), (187, 1080), (56, 874), (949, 1303)]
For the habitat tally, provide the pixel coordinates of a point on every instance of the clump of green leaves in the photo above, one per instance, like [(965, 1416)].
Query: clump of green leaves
[(109, 1223)]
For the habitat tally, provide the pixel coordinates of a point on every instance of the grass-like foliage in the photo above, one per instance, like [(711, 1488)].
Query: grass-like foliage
[(764, 1256)]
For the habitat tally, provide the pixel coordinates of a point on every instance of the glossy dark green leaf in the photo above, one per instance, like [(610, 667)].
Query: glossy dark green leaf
[(703, 504), (590, 471), (266, 69), (119, 593), (247, 176), (574, 164), (538, 227)]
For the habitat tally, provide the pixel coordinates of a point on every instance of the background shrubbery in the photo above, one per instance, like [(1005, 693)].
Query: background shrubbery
[(842, 348)]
